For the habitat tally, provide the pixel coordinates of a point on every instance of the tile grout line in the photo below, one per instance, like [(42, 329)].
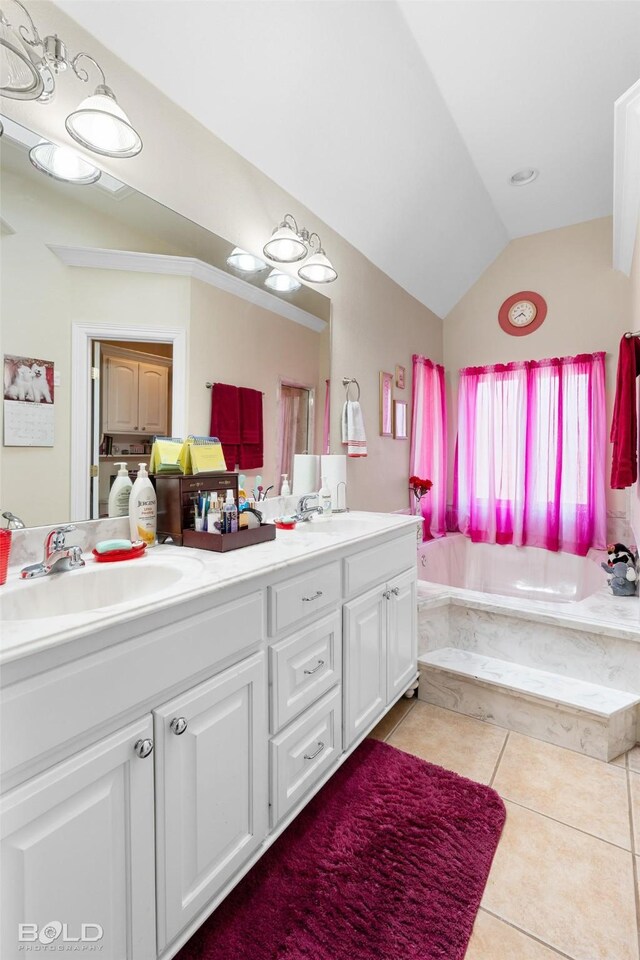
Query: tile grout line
[(500, 755), (402, 718), (634, 858), (531, 936), (562, 823)]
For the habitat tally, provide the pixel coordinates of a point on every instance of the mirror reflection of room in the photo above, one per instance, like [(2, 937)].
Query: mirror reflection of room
[(101, 278)]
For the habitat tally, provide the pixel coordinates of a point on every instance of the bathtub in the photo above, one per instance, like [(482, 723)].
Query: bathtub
[(524, 572)]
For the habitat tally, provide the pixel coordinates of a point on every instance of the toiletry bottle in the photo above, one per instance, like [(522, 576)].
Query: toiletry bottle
[(285, 489), (143, 509), (120, 493), (324, 497), (230, 514)]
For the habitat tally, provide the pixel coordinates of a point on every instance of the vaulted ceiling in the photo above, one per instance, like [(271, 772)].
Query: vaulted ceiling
[(400, 124)]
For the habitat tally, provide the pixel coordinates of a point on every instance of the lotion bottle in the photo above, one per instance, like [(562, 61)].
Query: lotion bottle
[(120, 493), (143, 509)]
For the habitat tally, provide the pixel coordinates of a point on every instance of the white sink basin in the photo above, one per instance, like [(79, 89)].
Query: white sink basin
[(338, 525), (94, 587)]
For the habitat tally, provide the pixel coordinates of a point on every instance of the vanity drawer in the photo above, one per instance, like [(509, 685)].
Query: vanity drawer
[(302, 753), (370, 567), (303, 667), (294, 601)]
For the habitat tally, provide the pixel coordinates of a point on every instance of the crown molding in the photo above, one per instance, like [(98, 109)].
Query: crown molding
[(128, 260), (626, 177)]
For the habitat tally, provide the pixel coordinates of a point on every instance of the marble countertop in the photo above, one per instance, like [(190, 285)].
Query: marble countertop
[(204, 572), (600, 612)]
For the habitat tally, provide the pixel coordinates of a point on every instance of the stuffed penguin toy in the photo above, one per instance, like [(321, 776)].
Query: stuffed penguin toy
[(621, 563)]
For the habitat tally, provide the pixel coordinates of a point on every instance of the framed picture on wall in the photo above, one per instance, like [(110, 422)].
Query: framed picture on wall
[(386, 404), (400, 419), (400, 377)]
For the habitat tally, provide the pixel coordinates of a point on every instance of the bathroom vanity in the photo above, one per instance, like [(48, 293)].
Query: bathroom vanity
[(155, 746)]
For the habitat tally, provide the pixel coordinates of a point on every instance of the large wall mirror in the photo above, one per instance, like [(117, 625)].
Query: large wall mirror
[(117, 315)]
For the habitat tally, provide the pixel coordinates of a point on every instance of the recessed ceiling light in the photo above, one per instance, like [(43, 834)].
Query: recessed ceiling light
[(520, 177), (245, 262), (282, 282)]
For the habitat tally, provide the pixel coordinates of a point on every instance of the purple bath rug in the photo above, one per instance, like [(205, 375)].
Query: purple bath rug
[(388, 862)]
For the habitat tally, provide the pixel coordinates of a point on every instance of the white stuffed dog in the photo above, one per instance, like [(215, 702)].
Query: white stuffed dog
[(39, 385)]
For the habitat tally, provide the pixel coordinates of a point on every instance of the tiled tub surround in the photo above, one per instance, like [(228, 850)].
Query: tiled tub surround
[(567, 671)]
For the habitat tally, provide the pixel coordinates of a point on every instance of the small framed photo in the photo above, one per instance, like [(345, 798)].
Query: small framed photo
[(400, 419), (400, 377), (386, 404)]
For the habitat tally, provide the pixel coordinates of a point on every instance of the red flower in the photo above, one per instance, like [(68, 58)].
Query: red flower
[(419, 486)]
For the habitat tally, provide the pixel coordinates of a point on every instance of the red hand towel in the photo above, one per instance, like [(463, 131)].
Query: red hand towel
[(624, 425), (251, 455), (225, 420)]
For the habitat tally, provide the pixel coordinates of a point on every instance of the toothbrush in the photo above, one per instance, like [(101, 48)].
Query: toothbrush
[(264, 495), (260, 489)]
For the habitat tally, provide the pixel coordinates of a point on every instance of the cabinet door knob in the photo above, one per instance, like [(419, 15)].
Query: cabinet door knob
[(143, 748), (315, 596), (386, 594), (312, 756), (396, 591), (178, 725), (319, 664)]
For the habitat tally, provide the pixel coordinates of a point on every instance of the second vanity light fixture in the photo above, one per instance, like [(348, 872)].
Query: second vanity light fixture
[(29, 66), (290, 243)]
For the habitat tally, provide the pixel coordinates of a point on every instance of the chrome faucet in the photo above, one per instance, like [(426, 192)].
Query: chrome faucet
[(304, 511), (57, 556)]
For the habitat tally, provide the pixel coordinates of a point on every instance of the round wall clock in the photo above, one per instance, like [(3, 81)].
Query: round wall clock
[(522, 313)]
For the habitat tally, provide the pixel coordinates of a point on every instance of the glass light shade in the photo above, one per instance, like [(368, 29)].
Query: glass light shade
[(281, 282), (101, 125), (285, 246), (245, 262), (318, 269), (19, 75), (63, 163)]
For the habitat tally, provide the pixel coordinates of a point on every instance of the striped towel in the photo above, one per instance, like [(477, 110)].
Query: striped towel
[(353, 435)]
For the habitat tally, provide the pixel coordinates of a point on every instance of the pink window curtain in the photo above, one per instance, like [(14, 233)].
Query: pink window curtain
[(428, 455), (288, 426), (530, 467)]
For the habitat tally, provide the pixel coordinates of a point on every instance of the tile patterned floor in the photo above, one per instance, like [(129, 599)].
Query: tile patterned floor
[(565, 881)]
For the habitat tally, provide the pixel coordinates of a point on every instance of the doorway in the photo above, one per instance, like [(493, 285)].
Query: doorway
[(131, 404), (86, 419)]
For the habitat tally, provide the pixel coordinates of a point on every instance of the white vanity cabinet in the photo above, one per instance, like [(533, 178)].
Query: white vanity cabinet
[(380, 650), (78, 848), (150, 760), (135, 392), (211, 789)]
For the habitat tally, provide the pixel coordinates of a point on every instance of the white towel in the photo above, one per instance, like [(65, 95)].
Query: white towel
[(353, 435)]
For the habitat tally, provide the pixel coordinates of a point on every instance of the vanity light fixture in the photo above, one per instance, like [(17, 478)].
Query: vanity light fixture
[(245, 262), (29, 66), (282, 282), (290, 243), (63, 163)]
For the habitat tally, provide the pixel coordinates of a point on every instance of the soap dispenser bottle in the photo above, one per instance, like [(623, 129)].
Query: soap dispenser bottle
[(324, 497), (285, 489), (143, 508), (120, 493)]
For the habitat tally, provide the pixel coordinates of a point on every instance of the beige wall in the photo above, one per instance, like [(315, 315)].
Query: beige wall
[(375, 323), (589, 308)]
